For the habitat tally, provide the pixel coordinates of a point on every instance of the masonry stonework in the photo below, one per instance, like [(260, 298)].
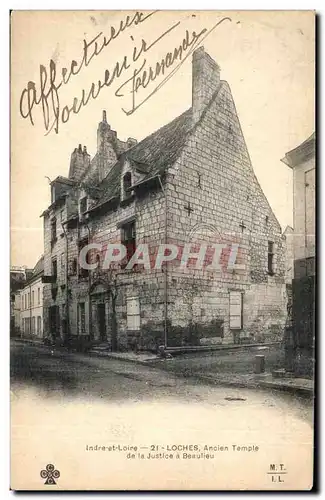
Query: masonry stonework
[(192, 183)]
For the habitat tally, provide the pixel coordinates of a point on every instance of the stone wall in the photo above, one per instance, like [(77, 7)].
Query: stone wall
[(215, 176), (212, 196)]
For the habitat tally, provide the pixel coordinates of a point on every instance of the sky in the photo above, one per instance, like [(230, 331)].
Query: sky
[(266, 57)]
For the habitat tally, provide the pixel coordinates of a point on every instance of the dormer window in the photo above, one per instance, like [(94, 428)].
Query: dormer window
[(127, 183), (83, 205)]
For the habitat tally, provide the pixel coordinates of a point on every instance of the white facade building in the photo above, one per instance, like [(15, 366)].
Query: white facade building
[(31, 303)]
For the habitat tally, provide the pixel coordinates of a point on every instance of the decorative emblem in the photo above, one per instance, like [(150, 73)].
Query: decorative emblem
[(50, 474)]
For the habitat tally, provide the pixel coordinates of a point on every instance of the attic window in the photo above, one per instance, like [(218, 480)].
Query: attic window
[(127, 183), (83, 205)]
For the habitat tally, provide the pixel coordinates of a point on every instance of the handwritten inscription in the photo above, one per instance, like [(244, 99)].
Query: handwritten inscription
[(46, 94)]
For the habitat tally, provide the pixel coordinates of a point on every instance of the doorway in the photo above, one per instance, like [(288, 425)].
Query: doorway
[(54, 321), (101, 322)]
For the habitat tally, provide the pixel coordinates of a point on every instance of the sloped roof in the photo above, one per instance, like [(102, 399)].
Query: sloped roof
[(301, 153), (39, 268), (160, 150), (153, 155)]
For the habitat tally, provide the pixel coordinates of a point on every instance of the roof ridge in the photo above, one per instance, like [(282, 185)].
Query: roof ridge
[(158, 130)]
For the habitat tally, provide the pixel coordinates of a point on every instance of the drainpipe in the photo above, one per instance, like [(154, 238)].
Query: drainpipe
[(90, 329), (166, 267), (66, 282)]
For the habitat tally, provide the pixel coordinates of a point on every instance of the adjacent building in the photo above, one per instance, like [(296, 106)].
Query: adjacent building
[(189, 183), (302, 161), (31, 303), (18, 277)]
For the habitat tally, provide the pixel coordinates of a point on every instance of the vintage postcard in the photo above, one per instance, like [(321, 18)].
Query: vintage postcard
[(162, 250)]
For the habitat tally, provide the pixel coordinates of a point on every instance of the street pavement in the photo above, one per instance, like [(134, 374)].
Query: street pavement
[(69, 399), (56, 373)]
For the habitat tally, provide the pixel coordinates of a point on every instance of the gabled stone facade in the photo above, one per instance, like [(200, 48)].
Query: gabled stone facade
[(191, 182)]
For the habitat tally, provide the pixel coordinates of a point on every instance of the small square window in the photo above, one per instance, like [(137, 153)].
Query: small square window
[(128, 239), (270, 258)]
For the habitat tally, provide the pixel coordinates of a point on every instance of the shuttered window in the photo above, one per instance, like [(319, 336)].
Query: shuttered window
[(133, 313), (235, 310)]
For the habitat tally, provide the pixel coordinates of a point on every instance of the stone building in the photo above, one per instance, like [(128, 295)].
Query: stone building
[(189, 183), (302, 161), (31, 303)]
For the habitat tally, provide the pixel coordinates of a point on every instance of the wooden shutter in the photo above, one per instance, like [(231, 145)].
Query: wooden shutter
[(133, 313), (235, 310)]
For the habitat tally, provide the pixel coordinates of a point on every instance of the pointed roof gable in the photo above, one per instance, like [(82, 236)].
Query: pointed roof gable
[(152, 156)]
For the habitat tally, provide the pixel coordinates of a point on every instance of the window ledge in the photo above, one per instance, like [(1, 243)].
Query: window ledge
[(127, 201)]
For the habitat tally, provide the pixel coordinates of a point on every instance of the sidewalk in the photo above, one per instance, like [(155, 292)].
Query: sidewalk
[(199, 367), (188, 370), (225, 367)]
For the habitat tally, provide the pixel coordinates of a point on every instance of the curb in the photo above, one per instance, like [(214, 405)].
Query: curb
[(258, 384), (219, 347), (145, 362)]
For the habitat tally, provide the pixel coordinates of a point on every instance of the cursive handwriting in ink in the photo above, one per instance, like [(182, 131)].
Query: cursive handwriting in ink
[(142, 77), (47, 94)]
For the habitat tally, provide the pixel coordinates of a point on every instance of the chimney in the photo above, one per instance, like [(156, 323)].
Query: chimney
[(79, 163), (107, 147), (205, 81), (103, 132), (131, 142)]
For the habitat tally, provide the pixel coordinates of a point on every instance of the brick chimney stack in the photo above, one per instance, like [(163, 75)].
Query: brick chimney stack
[(205, 81)]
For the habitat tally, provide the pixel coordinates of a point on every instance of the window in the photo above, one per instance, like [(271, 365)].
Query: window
[(128, 239), (73, 265), (83, 273), (39, 325), (82, 318), (310, 211), (33, 325), (38, 296), (133, 313), (33, 298), (53, 230), (29, 299), (63, 266), (235, 310), (54, 269), (83, 205), (127, 183), (270, 258)]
